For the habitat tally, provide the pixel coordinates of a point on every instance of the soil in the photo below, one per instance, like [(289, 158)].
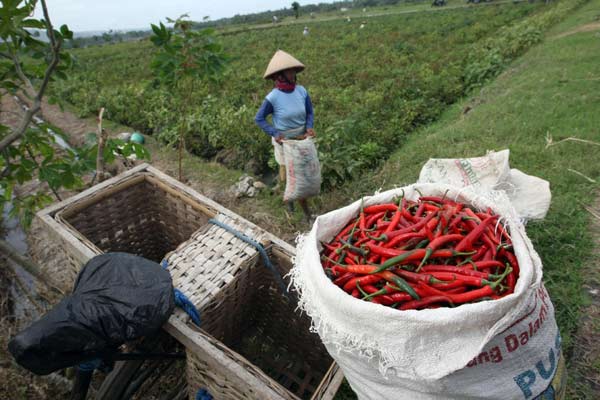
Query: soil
[(594, 26), (585, 360)]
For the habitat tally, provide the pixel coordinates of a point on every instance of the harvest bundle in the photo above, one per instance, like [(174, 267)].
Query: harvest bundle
[(427, 253)]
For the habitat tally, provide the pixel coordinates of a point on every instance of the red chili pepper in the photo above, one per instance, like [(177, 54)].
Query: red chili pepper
[(395, 240), (417, 304), (399, 282), (485, 264), (489, 255), (420, 210), (362, 280), (435, 244), (459, 289), (467, 242), (409, 217), (512, 259), (362, 223), (331, 247), (343, 279), (372, 218), (399, 297), (398, 256), (393, 222), (361, 269), (345, 231), (431, 208), (430, 290), (379, 296), (380, 207), (510, 282), (434, 199), (404, 223), (480, 253), (466, 297), (466, 279), (454, 269), (350, 261), (474, 217), (448, 285)]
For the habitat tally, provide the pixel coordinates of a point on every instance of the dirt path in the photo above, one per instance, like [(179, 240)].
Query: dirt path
[(594, 26), (362, 17), (586, 354)]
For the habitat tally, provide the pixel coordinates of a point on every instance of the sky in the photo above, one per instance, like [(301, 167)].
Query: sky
[(98, 15)]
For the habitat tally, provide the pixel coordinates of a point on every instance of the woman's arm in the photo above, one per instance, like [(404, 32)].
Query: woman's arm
[(261, 119), (310, 117)]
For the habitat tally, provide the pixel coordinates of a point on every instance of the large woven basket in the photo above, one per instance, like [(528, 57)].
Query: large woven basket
[(253, 344)]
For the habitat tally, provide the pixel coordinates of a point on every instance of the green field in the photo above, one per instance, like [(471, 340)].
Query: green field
[(370, 87), (393, 95)]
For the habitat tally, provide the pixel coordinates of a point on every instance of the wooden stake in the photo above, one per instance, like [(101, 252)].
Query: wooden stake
[(102, 137)]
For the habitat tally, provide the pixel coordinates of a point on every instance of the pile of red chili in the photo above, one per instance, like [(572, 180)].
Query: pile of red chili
[(426, 254)]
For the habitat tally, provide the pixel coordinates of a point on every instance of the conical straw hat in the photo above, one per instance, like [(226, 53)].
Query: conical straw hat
[(282, 61)]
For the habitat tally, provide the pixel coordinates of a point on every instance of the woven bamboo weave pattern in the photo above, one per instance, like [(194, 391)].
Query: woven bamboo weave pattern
[(142, 219), (258, 327), (210, 259)]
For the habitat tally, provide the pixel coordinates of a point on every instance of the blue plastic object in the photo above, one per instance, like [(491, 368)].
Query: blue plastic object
[(137, 137)]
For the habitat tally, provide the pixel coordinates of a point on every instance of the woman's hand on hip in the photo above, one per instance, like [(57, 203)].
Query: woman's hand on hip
[(310, 132), (279, 138)]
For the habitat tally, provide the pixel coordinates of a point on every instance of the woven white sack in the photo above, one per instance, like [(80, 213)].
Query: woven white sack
[(530, 196), (302, 168), (390, 354)]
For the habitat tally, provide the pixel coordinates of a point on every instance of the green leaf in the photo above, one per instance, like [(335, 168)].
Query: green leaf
[(33, 23), (66, 33)]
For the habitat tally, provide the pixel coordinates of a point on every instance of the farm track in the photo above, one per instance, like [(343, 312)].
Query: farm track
[(360, 17), (586, 353)]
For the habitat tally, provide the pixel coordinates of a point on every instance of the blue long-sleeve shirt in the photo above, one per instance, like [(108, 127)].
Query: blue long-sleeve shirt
[(290, 110)]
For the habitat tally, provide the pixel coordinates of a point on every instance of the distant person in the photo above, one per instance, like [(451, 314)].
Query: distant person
[(362, 25), (292, 112), (305, 32)]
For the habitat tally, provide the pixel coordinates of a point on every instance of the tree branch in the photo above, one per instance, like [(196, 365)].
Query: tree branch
[(22, 76), (37, 103)]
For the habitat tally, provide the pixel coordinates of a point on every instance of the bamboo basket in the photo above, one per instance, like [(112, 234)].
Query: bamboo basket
[(253, 343)]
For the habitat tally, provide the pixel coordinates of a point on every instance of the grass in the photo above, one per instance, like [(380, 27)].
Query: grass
[(553, 90), (357, 15)]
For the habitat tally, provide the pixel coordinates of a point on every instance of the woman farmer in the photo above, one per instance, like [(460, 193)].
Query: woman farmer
[(291, 108)]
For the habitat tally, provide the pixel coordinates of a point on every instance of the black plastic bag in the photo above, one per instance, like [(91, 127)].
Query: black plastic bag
[(118, 297)]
